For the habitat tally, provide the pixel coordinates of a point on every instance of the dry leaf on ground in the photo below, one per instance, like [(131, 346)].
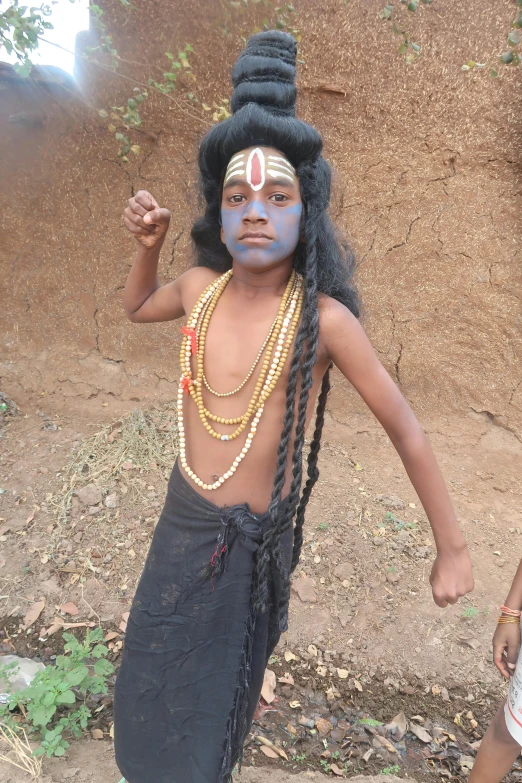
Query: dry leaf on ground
[(70, 608), (269, 686), (287, 679), (420, 733), (123, 625), (269, 752), (269, 744), (33, 613), (398, 726)]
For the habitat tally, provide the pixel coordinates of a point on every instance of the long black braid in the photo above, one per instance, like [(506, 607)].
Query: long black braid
[(263, 105)]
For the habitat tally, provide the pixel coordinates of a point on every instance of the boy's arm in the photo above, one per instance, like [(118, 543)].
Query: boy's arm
[(350, 350), (144, 299)]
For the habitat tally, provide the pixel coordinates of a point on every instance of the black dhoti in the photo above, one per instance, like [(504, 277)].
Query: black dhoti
[(195, 649)]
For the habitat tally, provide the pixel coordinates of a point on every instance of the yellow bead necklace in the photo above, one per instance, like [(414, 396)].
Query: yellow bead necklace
[(277, 346)]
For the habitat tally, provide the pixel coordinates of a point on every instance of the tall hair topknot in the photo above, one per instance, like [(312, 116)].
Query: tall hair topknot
[(263, 107), (264, 73)]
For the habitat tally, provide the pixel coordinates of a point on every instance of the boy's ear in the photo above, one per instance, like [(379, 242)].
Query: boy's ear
[(222, 234)]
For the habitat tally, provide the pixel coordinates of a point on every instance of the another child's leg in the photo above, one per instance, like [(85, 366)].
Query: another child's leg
[(497, 753)]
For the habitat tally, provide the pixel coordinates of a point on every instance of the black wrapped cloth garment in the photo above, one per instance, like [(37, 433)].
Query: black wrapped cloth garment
[(195, 651)]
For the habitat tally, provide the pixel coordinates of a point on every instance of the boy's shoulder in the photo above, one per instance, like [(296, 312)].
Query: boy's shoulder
[(335, 320), (332, 313), (196, 279)]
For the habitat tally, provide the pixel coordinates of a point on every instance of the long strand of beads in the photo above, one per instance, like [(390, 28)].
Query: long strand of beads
[(242, 420), (196, 390), (254, 365), (283, 343), (272, 374)]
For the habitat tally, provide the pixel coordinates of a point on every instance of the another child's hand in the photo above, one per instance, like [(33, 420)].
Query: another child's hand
[(506, 645), (146, 220)]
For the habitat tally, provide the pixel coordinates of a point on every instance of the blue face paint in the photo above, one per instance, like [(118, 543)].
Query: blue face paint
[(281, 224)]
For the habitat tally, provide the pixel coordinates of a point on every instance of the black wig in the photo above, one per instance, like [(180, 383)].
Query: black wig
[(263, 106)]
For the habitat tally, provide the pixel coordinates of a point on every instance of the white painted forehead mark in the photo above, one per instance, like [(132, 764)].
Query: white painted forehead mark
[(256, 168), (276, 174), (281, 160), (236, 166), (282, 168)]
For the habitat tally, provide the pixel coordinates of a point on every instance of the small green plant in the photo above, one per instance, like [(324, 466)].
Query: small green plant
[(370, 722), (471, 612), (300, 758), (392, 770), (398, 524), (274, 659), (325, 765), (55, 704), (324, 526)]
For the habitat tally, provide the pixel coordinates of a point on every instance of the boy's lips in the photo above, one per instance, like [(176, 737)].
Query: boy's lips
[(255, 237)]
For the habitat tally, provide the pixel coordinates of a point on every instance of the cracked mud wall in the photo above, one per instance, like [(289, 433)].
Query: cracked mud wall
[(427, 187)]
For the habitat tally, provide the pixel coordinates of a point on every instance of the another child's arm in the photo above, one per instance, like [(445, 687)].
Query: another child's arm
[(506, 639), (350, 350)]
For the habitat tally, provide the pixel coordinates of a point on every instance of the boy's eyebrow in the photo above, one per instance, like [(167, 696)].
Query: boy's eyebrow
[(234, 182), (278, 182)]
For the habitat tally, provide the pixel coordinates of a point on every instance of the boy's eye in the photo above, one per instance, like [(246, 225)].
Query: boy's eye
[(279, 197), (237, 198)]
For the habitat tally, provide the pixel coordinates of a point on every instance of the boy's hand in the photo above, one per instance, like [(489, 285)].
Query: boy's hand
[(506, 644), (146, 220), (451, 576)]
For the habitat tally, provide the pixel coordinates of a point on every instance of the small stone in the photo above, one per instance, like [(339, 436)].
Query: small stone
[(112, 500), (338, 735), (344, 571), (93, 510), (304, 587), (97, 734), (90, 495), (70, 773), (391, 501), (392, 577)]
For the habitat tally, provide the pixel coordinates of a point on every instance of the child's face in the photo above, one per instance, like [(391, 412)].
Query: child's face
[(261, 208)]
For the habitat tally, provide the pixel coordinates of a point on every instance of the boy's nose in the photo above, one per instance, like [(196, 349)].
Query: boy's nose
[(255, 211)]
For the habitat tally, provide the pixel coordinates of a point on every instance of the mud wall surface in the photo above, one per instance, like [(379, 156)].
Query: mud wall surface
[(427, 187)]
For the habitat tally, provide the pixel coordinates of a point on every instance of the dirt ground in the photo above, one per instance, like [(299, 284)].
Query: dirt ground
[(361, 600)]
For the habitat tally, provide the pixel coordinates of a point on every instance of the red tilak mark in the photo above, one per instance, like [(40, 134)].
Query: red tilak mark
[(190, 332), (186, 384), (255, 175)]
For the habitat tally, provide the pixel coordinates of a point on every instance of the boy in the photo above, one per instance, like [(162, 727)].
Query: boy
[(270, 308)]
